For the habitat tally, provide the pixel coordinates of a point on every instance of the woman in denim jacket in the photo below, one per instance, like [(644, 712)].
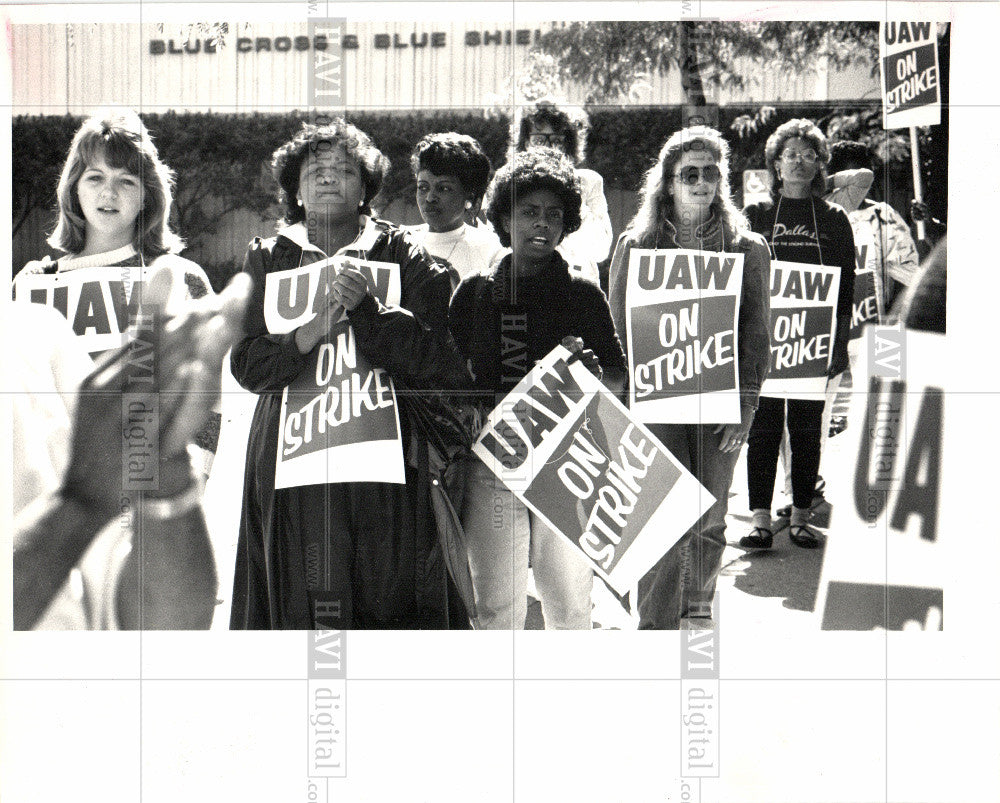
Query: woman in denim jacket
[(686, 203)]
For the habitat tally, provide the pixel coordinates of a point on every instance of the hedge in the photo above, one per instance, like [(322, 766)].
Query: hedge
[(221, 159)]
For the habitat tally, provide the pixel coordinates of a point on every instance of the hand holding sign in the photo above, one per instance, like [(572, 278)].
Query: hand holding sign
[(309, 334), (350, 286), (587, 358), (933, 621)]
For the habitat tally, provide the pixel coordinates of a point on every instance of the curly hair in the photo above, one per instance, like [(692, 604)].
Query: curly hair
[(121, 139), (530, 171), (656, 202), (845, 152), (570, 121), (804, 129), (455, 155), (286, 162)]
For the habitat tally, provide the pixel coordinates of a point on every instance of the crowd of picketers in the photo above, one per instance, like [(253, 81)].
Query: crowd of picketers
[(524, 240)]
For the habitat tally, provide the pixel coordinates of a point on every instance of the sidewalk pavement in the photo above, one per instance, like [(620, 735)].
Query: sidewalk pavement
[(772, 589)]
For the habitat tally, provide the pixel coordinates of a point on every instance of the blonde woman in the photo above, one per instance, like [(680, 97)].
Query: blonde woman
[(686, 203)]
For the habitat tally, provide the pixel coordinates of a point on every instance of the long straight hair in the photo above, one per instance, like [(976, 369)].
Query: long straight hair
[(121, 139), (657, 204)]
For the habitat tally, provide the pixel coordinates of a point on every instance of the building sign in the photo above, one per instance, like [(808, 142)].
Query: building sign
[(379, 41)]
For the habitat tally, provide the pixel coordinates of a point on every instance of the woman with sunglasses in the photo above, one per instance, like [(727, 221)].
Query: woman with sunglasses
[(799, 226), (686, 203), (565, 129)]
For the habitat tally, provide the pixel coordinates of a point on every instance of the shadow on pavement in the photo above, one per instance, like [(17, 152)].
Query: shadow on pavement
[(785, 570)]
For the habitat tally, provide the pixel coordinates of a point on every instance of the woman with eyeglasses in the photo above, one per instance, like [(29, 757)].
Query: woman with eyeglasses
[(799, 226), (686, 203), (549, 126)]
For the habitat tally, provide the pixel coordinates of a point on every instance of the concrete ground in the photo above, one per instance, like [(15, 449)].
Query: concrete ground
[(763, 589)]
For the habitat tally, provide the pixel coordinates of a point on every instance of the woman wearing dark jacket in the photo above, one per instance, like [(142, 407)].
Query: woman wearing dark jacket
[(799, 226), (347, 555), (504, 320), (686, 203)]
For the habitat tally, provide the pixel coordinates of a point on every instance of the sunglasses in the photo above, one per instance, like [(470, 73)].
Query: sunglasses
[(809, 157), (690, 175), (547, 139)]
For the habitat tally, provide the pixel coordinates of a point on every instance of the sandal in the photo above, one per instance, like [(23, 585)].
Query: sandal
[(817, 500), (804, 536), (758, 538)]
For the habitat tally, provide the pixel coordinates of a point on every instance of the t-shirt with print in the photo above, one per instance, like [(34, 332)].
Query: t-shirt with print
[(790, 227)]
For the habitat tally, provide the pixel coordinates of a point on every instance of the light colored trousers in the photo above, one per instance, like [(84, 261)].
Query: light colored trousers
[(500, 534)]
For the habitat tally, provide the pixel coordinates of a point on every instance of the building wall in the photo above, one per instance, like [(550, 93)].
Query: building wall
[(75, 68), (72, 68)]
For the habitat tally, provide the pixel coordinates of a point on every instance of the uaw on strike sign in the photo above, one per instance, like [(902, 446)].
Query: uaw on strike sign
[(339, 418), (885, 565), (99, 302), (911, 92), (866, 306), (803, 322), (681, 313), (571, 452)]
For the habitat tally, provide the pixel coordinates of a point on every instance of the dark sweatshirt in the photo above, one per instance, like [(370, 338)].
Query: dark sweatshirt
[(504, 325), (792, 237)]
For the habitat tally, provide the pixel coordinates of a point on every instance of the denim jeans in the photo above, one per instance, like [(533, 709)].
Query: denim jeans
[(682, 583), (500, 533)]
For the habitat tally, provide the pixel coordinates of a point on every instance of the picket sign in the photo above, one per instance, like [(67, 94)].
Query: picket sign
[(99, 302), (339, 418), (911, 92), (292, 298), (884, 564), (866, 307), (681, 311), (803, 323), (570, 451)]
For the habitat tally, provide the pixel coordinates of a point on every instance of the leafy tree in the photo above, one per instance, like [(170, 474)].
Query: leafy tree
[(219, 160), (611, 58)]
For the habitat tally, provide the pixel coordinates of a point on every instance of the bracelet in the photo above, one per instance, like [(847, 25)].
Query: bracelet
[(173, 507)]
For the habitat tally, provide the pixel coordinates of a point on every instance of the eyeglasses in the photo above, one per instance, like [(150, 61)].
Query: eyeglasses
[(546, 139), (691, 174), (809, 157)]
